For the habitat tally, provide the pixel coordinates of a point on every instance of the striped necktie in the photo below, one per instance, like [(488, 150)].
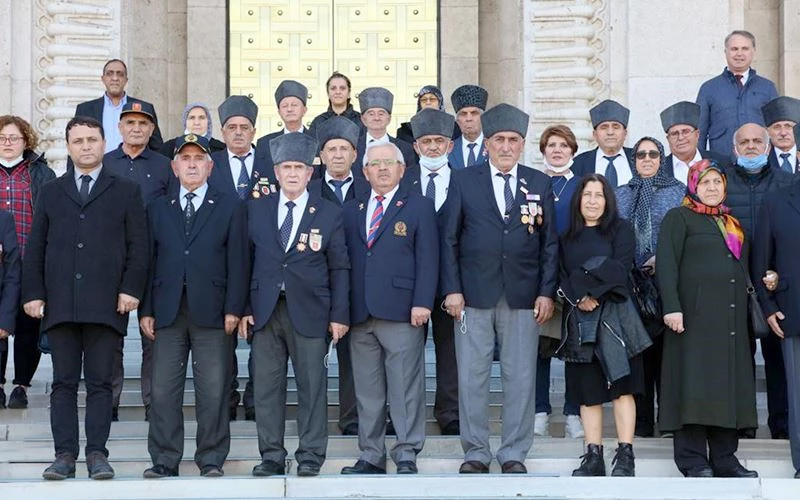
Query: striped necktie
[(375, 221)]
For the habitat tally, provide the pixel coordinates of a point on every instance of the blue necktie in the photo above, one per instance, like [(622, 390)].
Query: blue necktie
[(244, 180), (286, 227), (84, 192), (188, 213), (337, 187), (786, 164), (611, 172), (507, 194), (430, 189), (471, 158)]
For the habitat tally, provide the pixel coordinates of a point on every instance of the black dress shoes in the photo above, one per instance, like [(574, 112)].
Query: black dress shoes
[(350, 430), (734, 471), (473, 467), (211, 470), (307, 468), (363, 467), (115, 414), (250, 414), (797, 475), (159, 471), (98, 466), (62, 468), (451, 429), (407, 467), (699, 471), (513, 467), (269, 468)]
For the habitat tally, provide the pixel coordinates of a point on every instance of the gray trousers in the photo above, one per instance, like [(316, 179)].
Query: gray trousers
[(388, 366), (209, 348), (271, 349), (518, 336), (791, 360)]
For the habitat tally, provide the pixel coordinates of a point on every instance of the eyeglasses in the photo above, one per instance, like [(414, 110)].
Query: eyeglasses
[(641, 155), (686, 132), (11, 139), (386, 162)]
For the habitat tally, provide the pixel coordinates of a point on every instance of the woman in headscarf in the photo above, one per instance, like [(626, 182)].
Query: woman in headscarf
[(644, 201), (707, 384), (196, 120), (428, 96), (338, 88)]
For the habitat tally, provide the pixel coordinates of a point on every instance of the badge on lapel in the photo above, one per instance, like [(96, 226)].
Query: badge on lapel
[(315, 240), (400, 229), (262, 186)]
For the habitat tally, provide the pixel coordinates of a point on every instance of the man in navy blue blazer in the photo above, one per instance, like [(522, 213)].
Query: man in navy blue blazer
[(298, 295), (498, 274), (469, 101), (780, 116), (393, 240), (193, 302), (609, 158)]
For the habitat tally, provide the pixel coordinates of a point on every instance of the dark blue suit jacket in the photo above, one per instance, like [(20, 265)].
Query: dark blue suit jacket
[(10, 274), (211, 261), (411, 182), (316, 279), (358, 190), (94, 109), (773, 161), (456, 156), (222, 179), (774, 246), (151, 170), (409, 155), (401, 269), (483, 257), (584, 163)]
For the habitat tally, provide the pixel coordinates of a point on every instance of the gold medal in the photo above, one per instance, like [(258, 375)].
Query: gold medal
[(301, 247), (256, 194), (526, 219), (539, 220), (530, 229)]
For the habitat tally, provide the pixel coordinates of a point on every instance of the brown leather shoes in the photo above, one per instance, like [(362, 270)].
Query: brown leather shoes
[(473, 467), (513, 467)]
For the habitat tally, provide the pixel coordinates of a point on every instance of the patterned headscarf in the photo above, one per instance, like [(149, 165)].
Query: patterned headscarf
[(190, 107), (430, 89), (643, 193), (730, 227)]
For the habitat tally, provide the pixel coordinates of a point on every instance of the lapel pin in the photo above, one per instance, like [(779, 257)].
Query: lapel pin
[(311, 210), (361, 206), (211, 202), (399, 203), (522, 180)]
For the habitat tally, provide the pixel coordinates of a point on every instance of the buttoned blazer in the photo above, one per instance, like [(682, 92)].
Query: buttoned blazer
[(221, 177), (482, 256), (314, 271), (210, 263), (400, 270), (81, 256)]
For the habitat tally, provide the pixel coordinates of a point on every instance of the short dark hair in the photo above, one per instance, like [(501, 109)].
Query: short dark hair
[(743, 33), (87, 121), (608, 221), (105, 66)]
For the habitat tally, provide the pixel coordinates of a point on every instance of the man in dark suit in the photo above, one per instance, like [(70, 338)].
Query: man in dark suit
[(780, 116), (298, 294), (393, 244), (432, 131), (775, 245), (499, 270), (376, 113), (106, 109), (469, 101), (195, 297), (609, 158), (134, 160), (337, 138), (85, 269), (291, 98), (680, 122)]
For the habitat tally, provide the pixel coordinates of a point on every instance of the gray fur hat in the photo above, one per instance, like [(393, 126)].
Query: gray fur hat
[(780, 109), (338, 127), (469, 95), (291, 88), (432, 122), (375, 97), (293, 147), (237, 105), (684, 112), (609, 111), (504, 117)]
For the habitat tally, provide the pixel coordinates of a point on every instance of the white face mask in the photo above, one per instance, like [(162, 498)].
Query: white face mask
[(558, 170), (433, 163), (10, 163)]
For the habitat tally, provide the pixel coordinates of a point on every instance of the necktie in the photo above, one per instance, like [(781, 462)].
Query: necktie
[(286, 227), (337, 187), (375, 221), (84, 192), (430, 189), (188, 213), (786, 164), (471, 158), (611, 172), (244, 180), (507, 194), (739, 82)]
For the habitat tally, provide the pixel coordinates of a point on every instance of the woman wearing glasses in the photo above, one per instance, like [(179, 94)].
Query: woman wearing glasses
[(644, 201), (22, 172)]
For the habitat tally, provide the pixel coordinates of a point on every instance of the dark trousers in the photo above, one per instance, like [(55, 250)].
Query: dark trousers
[(348, 412), (705, 445), (645, 402), (210, 349), (91, 346), (445, 407), (233, 375), (26, 350), (543, 390), (775, 372), (118, 373), (147, 370)]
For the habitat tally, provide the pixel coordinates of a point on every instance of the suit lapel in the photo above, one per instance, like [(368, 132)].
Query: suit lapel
[(69, 186), (224, 171), (390, 212), (794, 201), (488, 189), (104, 181), (203, 213)]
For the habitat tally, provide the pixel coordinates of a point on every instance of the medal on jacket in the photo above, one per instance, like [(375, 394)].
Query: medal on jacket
[(301, 242), (315, 240)]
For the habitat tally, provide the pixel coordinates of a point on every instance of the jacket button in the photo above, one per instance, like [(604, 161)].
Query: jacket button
[(82, 216), (285, 266), (505, 231), (733, 333), (733, 306), (369, 254), (80, 245), (186, 252), (733, 280), (78, 276)]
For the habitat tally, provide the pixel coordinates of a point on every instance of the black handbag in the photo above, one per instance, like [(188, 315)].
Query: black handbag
[(758, 322), (645, 294)]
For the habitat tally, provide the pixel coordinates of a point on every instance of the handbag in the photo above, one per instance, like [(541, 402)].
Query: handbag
[(755, 315), (646, 296)]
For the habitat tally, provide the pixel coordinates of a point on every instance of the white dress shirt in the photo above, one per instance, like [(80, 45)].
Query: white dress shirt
[(379, 140), (465, 149), (680, 169), (197, 201), (236, 165), (300, 130), (345, 187), (94, 174), (387, 200), (297, 213), (499, 186), (792, 156), (620, 165), (441, 181)]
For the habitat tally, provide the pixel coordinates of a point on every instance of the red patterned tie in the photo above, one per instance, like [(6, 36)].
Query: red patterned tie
[(375, 221)]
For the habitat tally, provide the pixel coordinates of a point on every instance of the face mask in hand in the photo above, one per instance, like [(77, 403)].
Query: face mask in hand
[(433, 163)]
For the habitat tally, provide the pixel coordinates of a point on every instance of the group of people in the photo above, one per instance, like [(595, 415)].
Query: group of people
[(341, 234)]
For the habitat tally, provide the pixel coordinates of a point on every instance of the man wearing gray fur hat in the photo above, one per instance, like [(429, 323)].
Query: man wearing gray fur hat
[(469, 101), (609, 158), (299, 291), (780, 116), (376, 113), (499, 266), (290, 98), (680, 122)]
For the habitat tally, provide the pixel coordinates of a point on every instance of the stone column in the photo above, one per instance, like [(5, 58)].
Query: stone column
[(458, 36), (207, 54), (789, 48), (501, 50)]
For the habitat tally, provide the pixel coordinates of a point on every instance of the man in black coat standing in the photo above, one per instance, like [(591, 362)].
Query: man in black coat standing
[(84, 271)]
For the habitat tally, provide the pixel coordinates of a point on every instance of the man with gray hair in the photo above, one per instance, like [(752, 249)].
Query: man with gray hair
[(780, 116), (735, 97)]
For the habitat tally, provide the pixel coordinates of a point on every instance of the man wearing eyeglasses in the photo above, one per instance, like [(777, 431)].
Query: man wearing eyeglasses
[(680, 122), (393, 243)]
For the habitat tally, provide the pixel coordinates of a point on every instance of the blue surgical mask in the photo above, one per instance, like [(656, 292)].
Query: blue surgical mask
[(433, 163), (753, 163)]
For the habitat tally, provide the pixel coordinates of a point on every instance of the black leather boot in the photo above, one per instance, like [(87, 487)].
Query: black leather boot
[(592, 463), (623, 461)]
